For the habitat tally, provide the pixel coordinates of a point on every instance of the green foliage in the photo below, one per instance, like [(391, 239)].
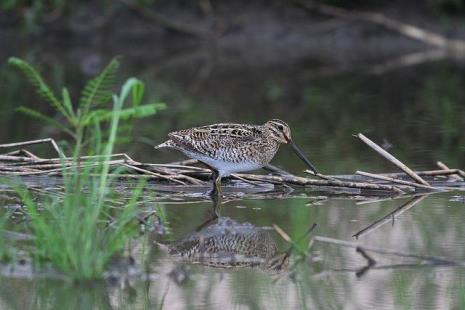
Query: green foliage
[(45, 119), (83, 118), (99, 90), (81, 232), (42, 89)]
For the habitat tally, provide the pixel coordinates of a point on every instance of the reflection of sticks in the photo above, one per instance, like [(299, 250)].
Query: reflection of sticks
[(381, 67), (293, 244), (428, 258), (389, 179), (407, 60), (377, 200), (411, 31), (392, 159), (382, 267), (166, 22), (370, 262), (388, 217)]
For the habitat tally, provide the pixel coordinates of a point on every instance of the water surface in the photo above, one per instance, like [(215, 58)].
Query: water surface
[(417, 111)]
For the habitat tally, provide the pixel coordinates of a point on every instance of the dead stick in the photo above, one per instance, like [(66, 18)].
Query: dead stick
[(185, 162), (54, 171), (47, 160), (322, 176), (427, 173), (22, 151), (389, 179), (153, 173), (444, 167), (170, 176), (392, 159), (49, 140), (179, 167), (306, 181), (247, 181), (20, 169)]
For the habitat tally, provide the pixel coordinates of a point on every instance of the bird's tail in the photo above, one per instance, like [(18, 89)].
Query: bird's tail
[(167, 143)]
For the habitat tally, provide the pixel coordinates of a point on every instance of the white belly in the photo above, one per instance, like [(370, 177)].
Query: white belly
[(225, 168)]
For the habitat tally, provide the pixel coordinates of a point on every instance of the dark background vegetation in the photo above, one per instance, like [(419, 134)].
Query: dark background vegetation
[(249, 61)]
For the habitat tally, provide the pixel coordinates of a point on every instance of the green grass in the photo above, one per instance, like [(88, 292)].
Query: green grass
[(81, 232)]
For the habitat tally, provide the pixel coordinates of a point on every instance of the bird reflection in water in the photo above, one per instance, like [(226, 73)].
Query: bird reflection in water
[(226, 243)]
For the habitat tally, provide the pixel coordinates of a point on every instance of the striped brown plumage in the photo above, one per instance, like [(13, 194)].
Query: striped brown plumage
[(229, 148)]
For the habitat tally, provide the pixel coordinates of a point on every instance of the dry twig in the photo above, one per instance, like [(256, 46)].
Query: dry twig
[(392, 159)]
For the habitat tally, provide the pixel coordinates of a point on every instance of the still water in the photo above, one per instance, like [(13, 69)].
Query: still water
[(418, 111), (326, 280)]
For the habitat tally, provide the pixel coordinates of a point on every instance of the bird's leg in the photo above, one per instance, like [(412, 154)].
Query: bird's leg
[(216, 186), (215, 193)]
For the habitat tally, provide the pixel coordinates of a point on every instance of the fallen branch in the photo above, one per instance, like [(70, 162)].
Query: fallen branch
[(392, 159), (307, 181), (183, 176), (31, 142), (453, 176), (389, 179)]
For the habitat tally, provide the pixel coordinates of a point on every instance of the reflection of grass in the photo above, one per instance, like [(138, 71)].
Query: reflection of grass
[(401, 291), (56, 295), (3, 247), (458, 294)]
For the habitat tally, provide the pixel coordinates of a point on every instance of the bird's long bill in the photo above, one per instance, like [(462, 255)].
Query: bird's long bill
[(302, 156)]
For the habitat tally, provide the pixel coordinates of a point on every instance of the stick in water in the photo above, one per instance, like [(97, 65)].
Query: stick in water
[(392, 159)]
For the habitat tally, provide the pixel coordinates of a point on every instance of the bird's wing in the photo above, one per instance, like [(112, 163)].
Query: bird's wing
[(206, 139)]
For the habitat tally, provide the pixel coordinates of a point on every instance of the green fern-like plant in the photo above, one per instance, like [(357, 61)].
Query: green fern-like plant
[(43, 90), (81, 119), (99, 89), (80, 232)]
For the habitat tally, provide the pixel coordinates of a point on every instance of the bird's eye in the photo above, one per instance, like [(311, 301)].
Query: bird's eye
[(281, 127)]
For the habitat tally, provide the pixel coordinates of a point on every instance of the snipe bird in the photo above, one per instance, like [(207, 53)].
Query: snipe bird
[(229, 148)]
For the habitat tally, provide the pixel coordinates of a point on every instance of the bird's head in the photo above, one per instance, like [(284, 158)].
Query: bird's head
[(280, 131)]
